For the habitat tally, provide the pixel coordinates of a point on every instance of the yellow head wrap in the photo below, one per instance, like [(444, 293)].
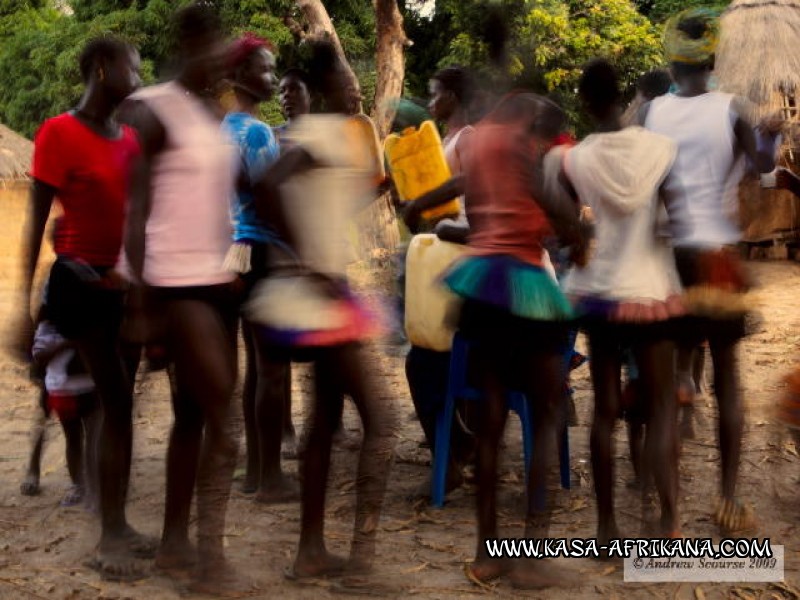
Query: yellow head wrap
[(697, 45)]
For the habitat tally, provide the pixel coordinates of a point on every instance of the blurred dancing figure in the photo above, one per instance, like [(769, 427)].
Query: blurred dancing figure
[(513, 311), (83, 160), (628, 293), (309, 311), (178, 235), (702, 195)]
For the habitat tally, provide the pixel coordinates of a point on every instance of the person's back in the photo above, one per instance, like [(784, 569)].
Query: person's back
[(702, 185), (618, 175), (504, 217)]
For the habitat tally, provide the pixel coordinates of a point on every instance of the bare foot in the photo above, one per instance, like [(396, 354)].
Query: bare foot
[(176, 560), (114, 561), (606, 533), (318, 564), (537, 575), (284, 491), (223, 581), (138, 544), (30, 485), (485, 570), (73, 496)]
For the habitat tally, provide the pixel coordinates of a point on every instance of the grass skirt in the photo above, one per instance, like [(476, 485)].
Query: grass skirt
[(506, 283), (303, 311)]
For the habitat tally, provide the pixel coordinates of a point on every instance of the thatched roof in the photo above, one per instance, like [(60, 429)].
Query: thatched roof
[(16, 153), (759, 50)]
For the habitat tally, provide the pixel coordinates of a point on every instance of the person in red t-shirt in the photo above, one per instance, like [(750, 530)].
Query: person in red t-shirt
[(83, 159)]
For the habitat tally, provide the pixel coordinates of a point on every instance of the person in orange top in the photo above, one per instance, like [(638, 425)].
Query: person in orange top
[(513, 313)]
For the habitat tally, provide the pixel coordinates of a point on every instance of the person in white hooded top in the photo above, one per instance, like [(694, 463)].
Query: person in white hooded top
[(628, 292)]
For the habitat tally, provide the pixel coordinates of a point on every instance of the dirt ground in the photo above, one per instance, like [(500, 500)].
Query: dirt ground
[(421, 550)]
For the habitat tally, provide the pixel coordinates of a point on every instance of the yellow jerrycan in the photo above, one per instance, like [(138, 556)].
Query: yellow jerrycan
[(418, 165), (428, 302)]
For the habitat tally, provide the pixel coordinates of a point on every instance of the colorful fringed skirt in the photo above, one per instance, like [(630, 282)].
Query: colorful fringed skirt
[(302, 312), (509, 303), (629, 321), (717, 292)]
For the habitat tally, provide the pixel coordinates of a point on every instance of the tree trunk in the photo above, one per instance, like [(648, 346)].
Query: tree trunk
[(320, 27), (378, 227), (390, 63)]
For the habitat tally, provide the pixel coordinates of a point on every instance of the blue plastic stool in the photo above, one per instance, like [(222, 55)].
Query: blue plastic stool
[(459, 389)]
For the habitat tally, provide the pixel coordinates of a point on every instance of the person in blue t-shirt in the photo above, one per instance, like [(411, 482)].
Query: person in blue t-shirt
[(267, 383)]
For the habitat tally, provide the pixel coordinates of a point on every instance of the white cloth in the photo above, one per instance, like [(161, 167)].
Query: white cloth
[(57, 379), (320, 204), (618, 175), (702, 186), (454, 161), (188, 231)]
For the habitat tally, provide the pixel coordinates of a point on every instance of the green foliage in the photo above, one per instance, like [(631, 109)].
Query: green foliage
[(549, 41), (661, 10)]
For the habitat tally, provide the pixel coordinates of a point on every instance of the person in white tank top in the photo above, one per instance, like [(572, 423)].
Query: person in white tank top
[(712, 137), (451, 92), (178, 234)]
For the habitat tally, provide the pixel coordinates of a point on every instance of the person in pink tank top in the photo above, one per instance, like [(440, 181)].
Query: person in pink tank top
[(177, 238)]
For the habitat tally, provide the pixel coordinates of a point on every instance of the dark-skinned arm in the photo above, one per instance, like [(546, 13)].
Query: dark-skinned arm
[(39, 204), (411, 211), (452, 232), (564, 215), (268, 189), (152, 139)]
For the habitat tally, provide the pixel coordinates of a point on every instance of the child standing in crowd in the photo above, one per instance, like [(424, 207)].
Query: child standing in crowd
[(70, 392)]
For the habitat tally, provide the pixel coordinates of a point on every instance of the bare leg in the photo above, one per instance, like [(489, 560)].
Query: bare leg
[(492, 421), (657, 378), (377, 452), (119, 543), (289, 436), (92, 422), (272, 385), (202, 344), (176, 553), (73, 436), (312, 557), (605, 369), (731, 515), (30, 485), (545, 387), (253, 464)]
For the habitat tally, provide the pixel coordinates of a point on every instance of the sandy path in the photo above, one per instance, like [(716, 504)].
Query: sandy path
[(421, 552)]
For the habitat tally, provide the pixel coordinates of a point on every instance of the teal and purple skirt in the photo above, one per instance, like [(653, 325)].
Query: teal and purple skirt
[(509, 302)]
